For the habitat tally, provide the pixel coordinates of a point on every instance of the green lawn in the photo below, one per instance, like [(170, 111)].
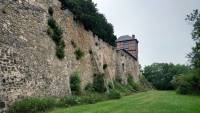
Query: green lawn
[(145, 102)]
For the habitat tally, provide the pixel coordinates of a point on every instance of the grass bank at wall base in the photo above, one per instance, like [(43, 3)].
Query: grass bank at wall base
[(145, 102)]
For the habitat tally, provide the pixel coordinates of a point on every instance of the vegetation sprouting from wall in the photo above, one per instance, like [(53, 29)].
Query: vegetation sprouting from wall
[(55, 32)]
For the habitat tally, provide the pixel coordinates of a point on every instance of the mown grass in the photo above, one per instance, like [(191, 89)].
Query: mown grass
[(145, 102)]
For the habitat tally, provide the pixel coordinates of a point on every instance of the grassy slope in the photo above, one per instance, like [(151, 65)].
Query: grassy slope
[(146, 102)]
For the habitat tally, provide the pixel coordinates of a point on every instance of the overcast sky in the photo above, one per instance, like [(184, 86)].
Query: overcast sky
[(159, 25)]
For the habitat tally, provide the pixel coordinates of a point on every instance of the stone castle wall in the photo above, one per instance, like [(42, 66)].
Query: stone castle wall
[(28, 64)]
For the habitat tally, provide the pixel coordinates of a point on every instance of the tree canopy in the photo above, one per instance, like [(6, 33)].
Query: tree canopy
[(87, 13), (189, 83), (195, 54), (161, 74)]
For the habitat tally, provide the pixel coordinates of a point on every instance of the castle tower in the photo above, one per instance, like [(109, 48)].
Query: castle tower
[(128, 44)]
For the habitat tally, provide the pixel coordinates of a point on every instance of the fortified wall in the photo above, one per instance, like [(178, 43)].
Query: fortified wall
[(28, 64)]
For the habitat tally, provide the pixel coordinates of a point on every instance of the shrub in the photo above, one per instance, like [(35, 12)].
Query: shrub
[(93, 97), (84, 98), (59, 103), (89, 87), (60, 52), (144, 83), (87, 99), (180, 84), (123, 89), (99, 83), (79, 54), (131, 88), (188, 83), (105, 66), (32, 105), (161, 74), (71, 100), (184, 88), (126, 89), (195, 83), (75, 83), (57, 35), (131, 82), (114, 94)]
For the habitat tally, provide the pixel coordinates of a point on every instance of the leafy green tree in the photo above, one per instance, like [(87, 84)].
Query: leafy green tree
[(190, 82), (161, 74), (86, 12), (195, 54)]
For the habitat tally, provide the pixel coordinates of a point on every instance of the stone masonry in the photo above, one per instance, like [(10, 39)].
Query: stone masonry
[(28, 64)]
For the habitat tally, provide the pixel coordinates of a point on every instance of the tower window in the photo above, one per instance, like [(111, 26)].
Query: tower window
[(125, 45)]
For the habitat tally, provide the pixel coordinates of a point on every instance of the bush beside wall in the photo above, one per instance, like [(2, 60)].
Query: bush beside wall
[(131, 82), (188, 83), (126, 89), (99, 83), (113, 94), (32, 105), (75, 83)]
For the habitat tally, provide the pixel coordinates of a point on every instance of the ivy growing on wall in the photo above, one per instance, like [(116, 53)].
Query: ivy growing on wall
[(56, 33)]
